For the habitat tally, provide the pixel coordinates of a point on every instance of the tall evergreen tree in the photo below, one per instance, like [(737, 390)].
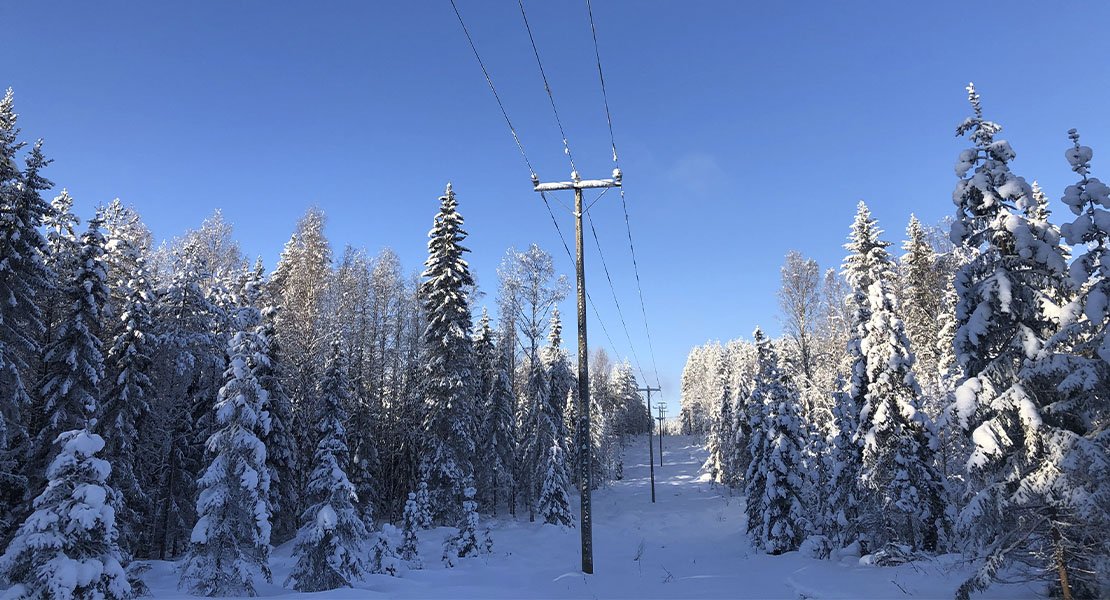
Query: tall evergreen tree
[(843, 497), (74, 363), (774, 486), (1071, 484), (23, 276), (898, 439), (921, 304), (230, 548), (282, 456), (1007, 295), (449, 362), (331, 544), (127, 400)]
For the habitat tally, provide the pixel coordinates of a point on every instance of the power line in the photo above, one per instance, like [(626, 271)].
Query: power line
[(531, 169), (570, 255), (546, 86), (613, 289), (624, 204)]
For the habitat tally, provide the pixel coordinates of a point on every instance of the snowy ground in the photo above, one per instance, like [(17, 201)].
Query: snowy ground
[(689, 544)]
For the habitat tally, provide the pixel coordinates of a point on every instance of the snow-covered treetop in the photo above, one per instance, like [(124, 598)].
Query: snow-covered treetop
[(982, 132), (1084, 195)]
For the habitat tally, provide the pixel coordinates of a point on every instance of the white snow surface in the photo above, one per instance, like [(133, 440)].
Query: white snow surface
[(690, 544)]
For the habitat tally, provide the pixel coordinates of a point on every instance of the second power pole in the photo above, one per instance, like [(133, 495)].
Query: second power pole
[(651, 450)]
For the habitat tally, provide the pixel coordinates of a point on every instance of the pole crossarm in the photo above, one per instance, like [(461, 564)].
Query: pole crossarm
[(578, 184)]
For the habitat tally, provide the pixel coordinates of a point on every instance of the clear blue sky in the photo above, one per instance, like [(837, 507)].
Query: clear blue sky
[(745, 129)]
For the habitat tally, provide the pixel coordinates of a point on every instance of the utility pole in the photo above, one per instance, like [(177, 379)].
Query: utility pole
[(577, 184), (651, 451), (662, 408)]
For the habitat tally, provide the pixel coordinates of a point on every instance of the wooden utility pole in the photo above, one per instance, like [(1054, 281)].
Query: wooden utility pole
[(577, 184), (651, 451), (662, 408)]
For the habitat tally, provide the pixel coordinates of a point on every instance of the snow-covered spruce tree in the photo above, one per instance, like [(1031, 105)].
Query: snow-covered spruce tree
[(423, 506), (486, 371), (467, 540), (553, 504), (332, 540), (920, 301), (549, 382), (67, 548), (899, 444), (188, 352), (74, 364), (777, 520), (1005, 312), (409, 551), (230, 543), (842, 498), (448, 363), (497, 446), (23, 276), (282, 455), (865, 250), (535, 433), (383, 555), (127, 395), (1070, 488), (722, 435), (62, 248), (557, 363)]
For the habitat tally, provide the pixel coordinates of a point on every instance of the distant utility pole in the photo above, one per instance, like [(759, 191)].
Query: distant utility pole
[(662, 408), (651, 451), (577, 184)]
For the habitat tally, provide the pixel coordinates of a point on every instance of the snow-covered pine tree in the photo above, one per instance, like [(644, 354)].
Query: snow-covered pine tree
[(899, 443), (282, 455), (486, 370), (126, 399), (1007, 296), (448, 362), (496, 447), (383, 555), (842, 498), (22, 277), (230, 543), (535, 433), (188, 352), (777, 520), (557, 363), (553, 505), (62, 248), (722, 436), (467, 540), (67, 548), (865, 249), (920, 302), (74, 364), (1072, 482), (423, 506), (409, 551), (333, 539)]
